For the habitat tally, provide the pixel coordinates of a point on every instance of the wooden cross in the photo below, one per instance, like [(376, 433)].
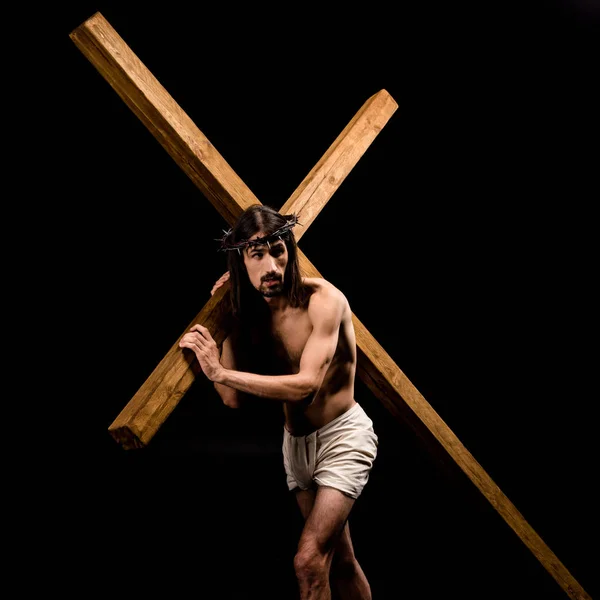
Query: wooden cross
[(149, 408)]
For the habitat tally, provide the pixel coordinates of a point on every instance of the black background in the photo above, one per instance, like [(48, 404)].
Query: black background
[(464, 240)]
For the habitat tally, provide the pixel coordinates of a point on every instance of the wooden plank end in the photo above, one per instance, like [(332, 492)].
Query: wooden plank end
[(126, 438)]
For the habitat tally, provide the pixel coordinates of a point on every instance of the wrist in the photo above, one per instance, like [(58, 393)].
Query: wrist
[(220, 376)]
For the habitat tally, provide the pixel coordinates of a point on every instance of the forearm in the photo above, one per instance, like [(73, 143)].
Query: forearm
[(287, 388)]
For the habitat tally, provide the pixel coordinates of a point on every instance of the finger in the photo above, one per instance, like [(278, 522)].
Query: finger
[(185, 339), (195, 344)]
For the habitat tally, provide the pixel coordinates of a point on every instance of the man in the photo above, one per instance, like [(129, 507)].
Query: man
[(293, 342)]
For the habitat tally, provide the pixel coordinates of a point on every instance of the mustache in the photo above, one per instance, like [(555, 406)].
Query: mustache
[(270, 278)]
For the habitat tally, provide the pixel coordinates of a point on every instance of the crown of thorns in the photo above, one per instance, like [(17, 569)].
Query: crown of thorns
[(290, 223)]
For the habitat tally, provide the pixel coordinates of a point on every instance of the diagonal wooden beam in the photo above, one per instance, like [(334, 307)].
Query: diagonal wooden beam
[(161, 392)]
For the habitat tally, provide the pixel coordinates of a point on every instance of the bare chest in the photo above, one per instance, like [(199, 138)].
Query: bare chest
[(290, 333)]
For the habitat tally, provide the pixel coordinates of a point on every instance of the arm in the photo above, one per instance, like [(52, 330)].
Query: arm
[(230, 396), (325, 310), (325, 313)]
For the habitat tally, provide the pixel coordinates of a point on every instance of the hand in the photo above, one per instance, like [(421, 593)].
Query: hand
[(202, 344), (220, 282)]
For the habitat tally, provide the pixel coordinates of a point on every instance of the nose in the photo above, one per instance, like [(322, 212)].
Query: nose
[(271, 265)]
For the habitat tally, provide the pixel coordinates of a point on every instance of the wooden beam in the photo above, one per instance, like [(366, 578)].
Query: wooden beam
[(156, 399), (328, 174), (186, 144)]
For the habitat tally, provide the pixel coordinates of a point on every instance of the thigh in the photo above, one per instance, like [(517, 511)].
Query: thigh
[(305, 500), (327, 518), (344, 549)]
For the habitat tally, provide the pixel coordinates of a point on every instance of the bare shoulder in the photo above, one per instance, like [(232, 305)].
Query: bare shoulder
[(325, 292), (321, 286)]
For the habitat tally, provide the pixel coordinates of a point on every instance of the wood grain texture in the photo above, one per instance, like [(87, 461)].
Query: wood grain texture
[(159, 395), (155, 400), (327, 175)]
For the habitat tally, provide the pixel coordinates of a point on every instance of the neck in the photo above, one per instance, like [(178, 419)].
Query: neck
[(276, 303)]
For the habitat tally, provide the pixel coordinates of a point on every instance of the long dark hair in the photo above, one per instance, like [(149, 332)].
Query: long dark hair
[(245, 300), (253, 344)]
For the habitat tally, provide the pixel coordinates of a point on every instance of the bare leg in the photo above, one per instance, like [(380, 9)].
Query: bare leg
[(325, 551), (347, 576)]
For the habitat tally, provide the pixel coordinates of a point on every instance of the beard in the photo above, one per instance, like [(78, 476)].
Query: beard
[(270, 291)]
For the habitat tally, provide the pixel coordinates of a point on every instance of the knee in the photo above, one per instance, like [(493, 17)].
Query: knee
[(310, 563)]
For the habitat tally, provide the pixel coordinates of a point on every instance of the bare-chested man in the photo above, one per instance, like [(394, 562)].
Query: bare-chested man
[(293, 342)]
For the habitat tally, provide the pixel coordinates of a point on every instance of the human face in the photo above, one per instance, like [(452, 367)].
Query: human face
[(266, 266)]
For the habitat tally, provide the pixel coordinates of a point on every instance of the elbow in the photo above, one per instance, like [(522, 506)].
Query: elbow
[(229, 396), (231, 402)]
